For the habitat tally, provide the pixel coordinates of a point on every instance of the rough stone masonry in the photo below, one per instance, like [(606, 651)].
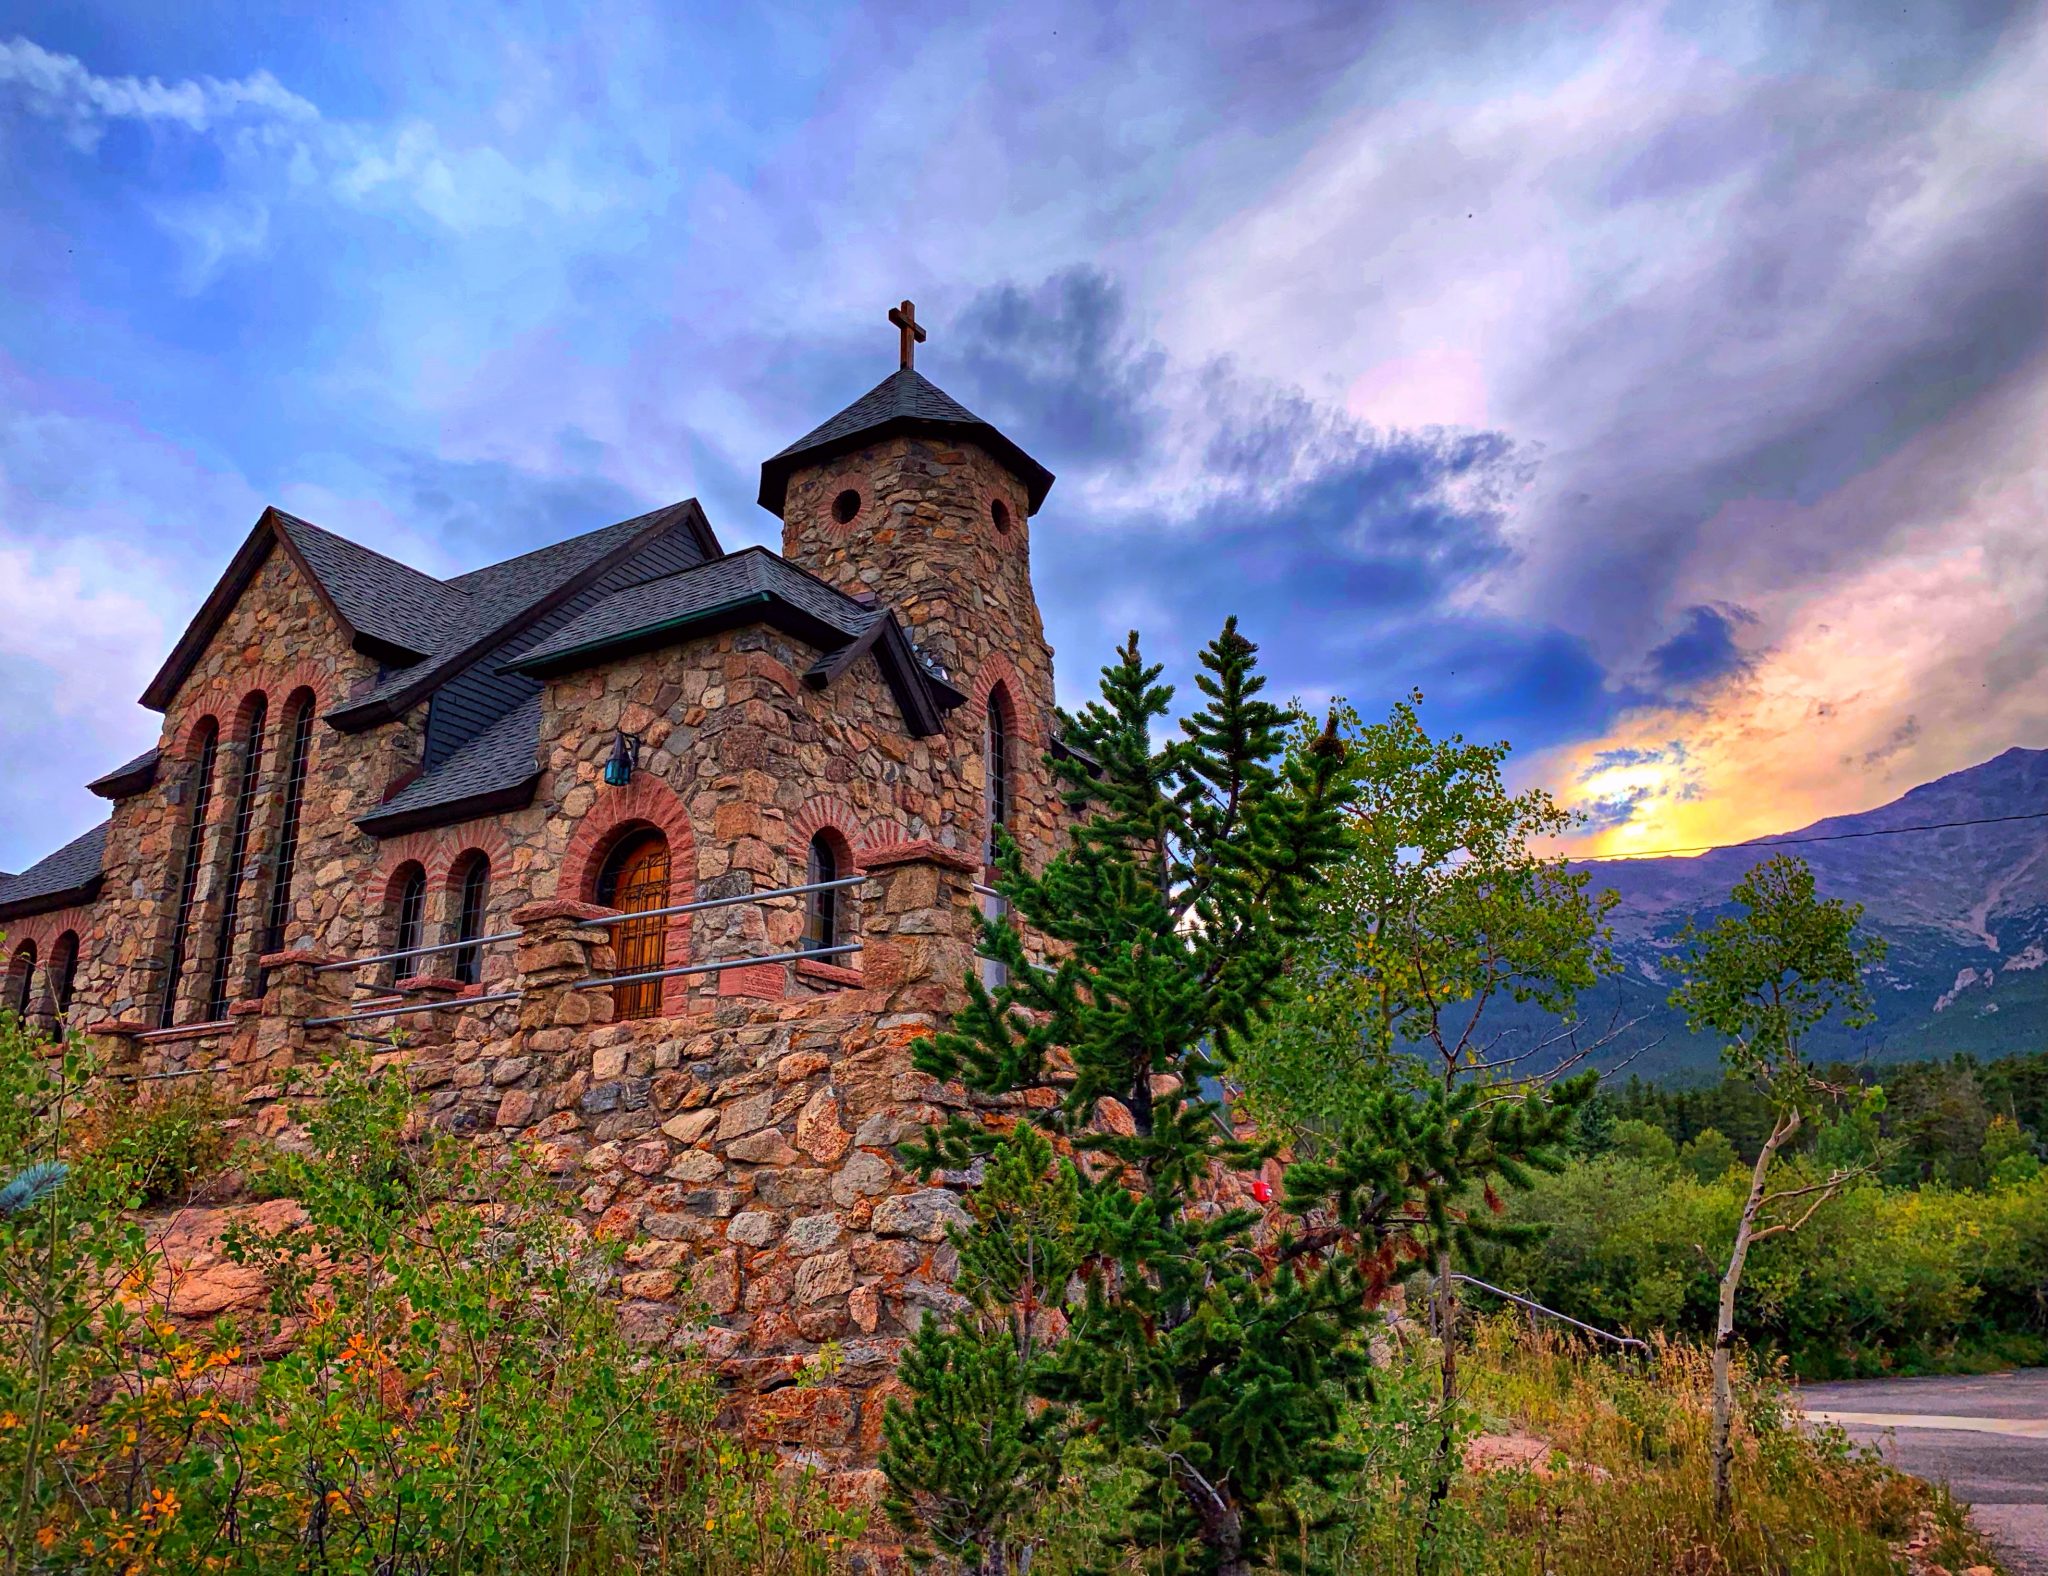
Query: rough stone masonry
[(492, 775)]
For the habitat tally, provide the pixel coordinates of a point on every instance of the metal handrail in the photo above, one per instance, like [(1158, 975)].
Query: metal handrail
[(416, 952), (724, 902), (1551, 1313), (418, 1006), (713, 968)]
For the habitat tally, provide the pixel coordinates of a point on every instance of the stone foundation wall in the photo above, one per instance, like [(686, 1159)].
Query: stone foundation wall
[(744, 1152)]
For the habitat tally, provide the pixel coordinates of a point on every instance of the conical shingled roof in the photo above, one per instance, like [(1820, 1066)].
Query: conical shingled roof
[(905, 401)]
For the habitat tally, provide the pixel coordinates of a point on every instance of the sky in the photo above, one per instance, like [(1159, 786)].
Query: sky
[(1660, 388)]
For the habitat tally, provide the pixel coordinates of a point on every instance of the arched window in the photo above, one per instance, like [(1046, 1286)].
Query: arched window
[(408, 920), (469, 918), (996, 767), (64, 971), (995, 762), (821, 909), (21, 977), (246, 784), (200, 785), (634, 880), (298, 748)]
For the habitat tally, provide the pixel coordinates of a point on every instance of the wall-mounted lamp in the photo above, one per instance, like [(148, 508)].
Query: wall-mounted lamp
[(624, 760)]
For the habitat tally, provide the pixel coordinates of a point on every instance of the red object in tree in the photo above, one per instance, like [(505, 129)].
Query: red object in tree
[(1262, 1190)]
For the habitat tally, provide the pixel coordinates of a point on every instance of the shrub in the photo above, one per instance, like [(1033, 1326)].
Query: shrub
[(1885, 1280), (165, 1142), (448, 1388)]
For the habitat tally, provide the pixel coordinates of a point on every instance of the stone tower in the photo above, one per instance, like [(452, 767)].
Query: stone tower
[(908, 499)]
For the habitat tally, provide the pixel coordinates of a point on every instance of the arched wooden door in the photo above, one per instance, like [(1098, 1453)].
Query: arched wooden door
[(635, 880)]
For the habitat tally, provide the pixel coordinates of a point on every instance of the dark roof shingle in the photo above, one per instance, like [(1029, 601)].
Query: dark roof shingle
[(124, 781), (392, 603), (70, 875), (496, 770), (751, 586), (904, 401), (673, 602), (499, 596)]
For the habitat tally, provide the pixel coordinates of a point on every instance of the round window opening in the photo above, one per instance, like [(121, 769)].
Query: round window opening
[(1000, 513), (846, 506)]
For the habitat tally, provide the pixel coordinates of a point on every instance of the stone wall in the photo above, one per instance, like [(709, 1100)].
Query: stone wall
[(278, 641), (925, 541), (744, 1152)]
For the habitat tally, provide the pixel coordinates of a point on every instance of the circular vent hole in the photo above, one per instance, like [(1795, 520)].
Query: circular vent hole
[(1000, 513), (846, 506)]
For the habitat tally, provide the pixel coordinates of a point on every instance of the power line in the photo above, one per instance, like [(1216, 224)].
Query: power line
[(1817, 837)]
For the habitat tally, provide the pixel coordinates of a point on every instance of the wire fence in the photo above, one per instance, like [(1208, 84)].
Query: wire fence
[(601, 981)]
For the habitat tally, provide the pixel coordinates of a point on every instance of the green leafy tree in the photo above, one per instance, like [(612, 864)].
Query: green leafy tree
[(1762, 979), (1708, 1155), (1640, 1141), (1440, 913), (2009, 1157)]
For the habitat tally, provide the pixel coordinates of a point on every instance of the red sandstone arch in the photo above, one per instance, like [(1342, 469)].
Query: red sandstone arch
[(646, 803), (825, 813), (186, 749), (229, 700), (460, 845), (999, 676), (426, 849)]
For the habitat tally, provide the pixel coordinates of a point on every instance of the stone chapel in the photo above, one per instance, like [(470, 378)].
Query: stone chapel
[(532, 830)]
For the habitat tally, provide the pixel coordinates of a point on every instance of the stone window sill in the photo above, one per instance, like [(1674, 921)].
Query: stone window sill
[(823, 973), (185, 1031)]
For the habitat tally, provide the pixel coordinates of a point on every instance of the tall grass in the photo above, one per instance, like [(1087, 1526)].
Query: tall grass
[(1628, 1487)]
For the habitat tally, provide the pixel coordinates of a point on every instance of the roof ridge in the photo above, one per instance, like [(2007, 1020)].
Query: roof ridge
[(301, 522), (561, 542)]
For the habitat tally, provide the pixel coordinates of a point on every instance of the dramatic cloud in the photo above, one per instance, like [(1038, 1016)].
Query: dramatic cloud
[(1703, 649), (1658, 388)]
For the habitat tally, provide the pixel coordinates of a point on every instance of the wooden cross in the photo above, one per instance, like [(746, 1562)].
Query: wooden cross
[(905, 319)]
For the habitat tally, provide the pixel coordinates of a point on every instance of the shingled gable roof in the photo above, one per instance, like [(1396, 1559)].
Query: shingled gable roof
[(124, 782), (502, 598), (905, 401), (387, 610), (752, 586), (494, 772), (70, 875)]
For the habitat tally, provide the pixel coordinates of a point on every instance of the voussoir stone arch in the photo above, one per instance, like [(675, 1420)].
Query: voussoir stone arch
[(462, 845), (826, 813), (431, 853), (998, 682), (645, 804)]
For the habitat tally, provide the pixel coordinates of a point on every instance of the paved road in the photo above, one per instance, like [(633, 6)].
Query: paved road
[(1987, 1436)]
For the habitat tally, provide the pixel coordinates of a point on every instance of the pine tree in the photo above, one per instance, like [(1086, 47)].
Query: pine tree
[(971, 1453), (1210, 1349)]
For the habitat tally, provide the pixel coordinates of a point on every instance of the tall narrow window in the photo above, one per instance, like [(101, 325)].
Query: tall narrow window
[(298, 746), (469, 919), (821, 910), (408, 922), (64, 971), (246, 785), (995, 765), (201, 785), (635, 881), (21, 978)]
